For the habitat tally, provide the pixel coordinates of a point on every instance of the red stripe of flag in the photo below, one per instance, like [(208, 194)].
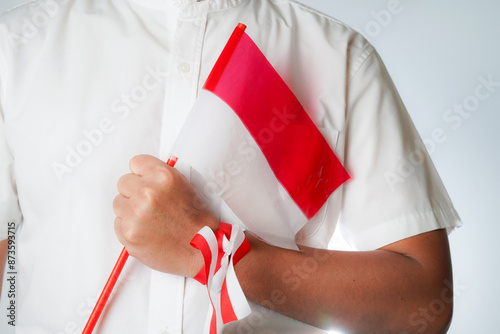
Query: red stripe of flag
[(200, 243), (296, 151), (227, 311)]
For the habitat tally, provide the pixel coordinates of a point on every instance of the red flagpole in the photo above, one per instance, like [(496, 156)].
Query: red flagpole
[(110, 284)]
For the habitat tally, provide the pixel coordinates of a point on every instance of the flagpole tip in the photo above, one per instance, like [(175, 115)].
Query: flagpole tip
[(172, 160), (241, 26)]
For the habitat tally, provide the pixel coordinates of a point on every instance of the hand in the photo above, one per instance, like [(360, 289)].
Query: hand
[(158, 212)]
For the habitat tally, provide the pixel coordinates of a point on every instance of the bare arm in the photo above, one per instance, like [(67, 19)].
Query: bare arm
[(402, 288), (3, 257), (405, 286)]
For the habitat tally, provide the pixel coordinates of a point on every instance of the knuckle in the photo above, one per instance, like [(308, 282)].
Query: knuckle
[(164, 176), (132, 235), (143, 210), (148, 195), (140, 212)]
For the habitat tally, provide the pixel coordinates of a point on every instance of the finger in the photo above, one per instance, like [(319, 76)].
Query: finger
[(126, 231), (143, 164), (129, 184), (120, 232), (121, 206), (118, 228)]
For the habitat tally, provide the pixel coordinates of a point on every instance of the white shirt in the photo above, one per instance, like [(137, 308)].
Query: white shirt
[(85, 85)]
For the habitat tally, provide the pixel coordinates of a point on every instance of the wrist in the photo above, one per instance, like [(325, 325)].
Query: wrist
[(197, 263), (213, 223), (248, 270)]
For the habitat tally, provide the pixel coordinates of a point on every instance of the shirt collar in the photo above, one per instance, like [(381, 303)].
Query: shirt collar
[(213, 5)]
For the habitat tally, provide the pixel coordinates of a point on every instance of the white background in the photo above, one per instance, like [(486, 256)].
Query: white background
[(435, 51)]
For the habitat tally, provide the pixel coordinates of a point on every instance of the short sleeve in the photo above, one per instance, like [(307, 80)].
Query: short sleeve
[(9, 207), (395, 191)]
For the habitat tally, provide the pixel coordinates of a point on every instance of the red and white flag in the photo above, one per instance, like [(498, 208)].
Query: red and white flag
[(253, 148), (256, 156)]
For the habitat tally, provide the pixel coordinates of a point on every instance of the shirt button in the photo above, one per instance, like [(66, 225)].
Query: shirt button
[(184, 67), (177, 3)]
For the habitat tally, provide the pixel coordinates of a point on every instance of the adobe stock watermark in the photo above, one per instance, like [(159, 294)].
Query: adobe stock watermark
[(82, 311), (219, 182), (424, 316), (257, 318), (122, 107), (44, 11), (292, 278), (10, 280), (453, 117), (382, 18)]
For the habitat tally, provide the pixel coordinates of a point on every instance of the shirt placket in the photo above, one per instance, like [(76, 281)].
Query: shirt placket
[(181, 89), (184, 70)]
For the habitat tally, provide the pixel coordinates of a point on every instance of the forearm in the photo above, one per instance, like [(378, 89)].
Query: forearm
[(365, 292)]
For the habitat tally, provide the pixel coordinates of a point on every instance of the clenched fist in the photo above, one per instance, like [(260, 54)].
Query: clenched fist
[(158, 212)]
